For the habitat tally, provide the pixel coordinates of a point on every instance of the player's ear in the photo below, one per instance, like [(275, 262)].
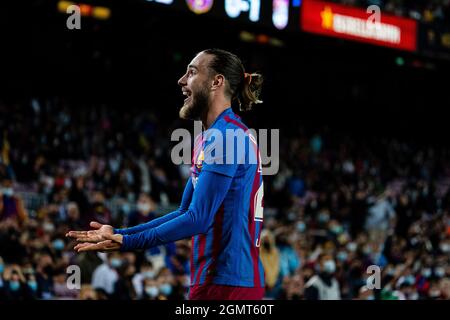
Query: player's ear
[(218, 81)]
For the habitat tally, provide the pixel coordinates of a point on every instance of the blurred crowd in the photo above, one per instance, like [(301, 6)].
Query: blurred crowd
[(345, 218), (435, 11)]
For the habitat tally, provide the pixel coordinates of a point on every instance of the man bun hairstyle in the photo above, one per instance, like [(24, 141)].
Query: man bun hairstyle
[(245, 88)]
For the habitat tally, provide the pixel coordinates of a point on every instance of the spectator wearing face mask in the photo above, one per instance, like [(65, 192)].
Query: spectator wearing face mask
[(151, 290), (11, 205), (105, 275), (166, 289), (146, 272), (165, 282), (145, 211), (14, 284), (123, 287), (32, 287), (323, 286)]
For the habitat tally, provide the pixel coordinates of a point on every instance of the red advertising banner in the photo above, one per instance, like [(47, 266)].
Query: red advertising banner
[(356, 24)]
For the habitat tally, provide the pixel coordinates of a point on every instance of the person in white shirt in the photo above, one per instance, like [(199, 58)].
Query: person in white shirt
[(380, 219), (323, 286), (105, 275)]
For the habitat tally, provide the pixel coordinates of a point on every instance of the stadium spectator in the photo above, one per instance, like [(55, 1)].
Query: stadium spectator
[(321, 201), (105, 275), (270, 258), (323, 285), (11, 205), (145, 211)]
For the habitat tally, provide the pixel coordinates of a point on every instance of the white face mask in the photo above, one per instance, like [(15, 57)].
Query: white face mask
[(445, 247), (8, 192), (143, 207), (329, 266), (48, 227), (439, 272), (426, 272), (351, 246), (151, 291), (148, 274), (434, 293)]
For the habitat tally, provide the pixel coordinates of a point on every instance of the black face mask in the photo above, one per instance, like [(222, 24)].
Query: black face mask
[(267, 246)]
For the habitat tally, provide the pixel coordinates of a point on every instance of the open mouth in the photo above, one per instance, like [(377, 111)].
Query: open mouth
[(187, 94)]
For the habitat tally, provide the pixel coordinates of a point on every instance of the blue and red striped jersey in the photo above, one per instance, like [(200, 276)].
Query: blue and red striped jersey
[(228, 253)]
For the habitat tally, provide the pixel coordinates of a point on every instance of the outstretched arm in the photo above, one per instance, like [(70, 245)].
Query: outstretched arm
[(207, 197), (209, 194), (185, 201)]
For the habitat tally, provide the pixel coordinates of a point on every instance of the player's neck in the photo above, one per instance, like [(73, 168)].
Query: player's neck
[(213, 112)]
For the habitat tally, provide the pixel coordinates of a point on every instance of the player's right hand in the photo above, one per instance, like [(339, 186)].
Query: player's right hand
[(100, 233)]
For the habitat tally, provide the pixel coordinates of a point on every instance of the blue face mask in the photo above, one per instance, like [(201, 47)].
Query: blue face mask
[(126, 208), (301, 227), (33, 285), (323, 217), (439, 272), (410, 280), (116, 263), (58, 245), (342, 256), (329, 266), (151, 291), (426, 272), (14, 285), (149, 274), (165, 289), (336, 229)]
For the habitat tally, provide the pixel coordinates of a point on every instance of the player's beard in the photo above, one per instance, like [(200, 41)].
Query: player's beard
[(197, 106)]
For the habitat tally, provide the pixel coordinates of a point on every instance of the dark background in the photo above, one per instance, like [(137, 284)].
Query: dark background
[(136, 57)]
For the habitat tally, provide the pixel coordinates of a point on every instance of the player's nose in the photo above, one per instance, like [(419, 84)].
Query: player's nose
[(182, 81)]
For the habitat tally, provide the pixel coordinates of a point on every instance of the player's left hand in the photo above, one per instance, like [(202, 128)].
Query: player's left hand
[(112, 243)]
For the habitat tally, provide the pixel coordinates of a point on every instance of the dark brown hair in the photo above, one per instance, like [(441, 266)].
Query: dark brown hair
[(245, 88)]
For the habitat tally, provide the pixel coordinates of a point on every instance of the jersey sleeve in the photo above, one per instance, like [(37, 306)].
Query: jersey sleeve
[(207, 197)]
